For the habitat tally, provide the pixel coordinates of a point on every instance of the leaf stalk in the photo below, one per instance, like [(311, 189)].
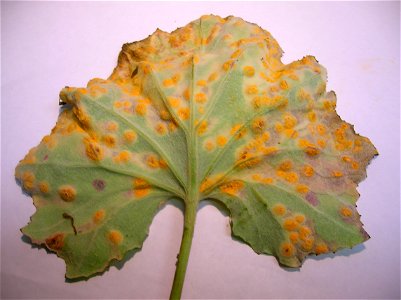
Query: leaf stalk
[(185, 248)]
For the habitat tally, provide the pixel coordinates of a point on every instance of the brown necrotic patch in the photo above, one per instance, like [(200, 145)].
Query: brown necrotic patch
[(55, 242)]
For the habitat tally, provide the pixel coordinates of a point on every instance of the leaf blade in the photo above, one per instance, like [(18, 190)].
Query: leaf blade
[(208, 111)]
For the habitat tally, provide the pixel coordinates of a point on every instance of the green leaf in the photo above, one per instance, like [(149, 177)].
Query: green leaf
[(206, 112)]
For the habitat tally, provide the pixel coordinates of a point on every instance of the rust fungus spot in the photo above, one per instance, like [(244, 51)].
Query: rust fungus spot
[(212, 77), (321, 248), (307, 244), (346, 212), (200, 98), (221, 140), (258, 125), (312, 151), (122, 157), (232, 187), (250, 163), (184, 113), (67, 193), (289, 121), (240, 133), (174, 102), (99, 215), (305, 232), (129, 136), (165, 115), (115, 237), (201, 82), (279, 209), (93, 150), (302, 189), (152, 161), (248, 71), (141, 187), (355, 165), (294, 237), (139, 193), (291, 177), (251, 89), (290, 224), (202, 127), (112, 126), (141, 109), (28, 180), (284, 85), (109, 140), (285, 165), (187, 94), (205, 185), (140, 183), (267, 180), (287, 249), (209, 146), (44, 187), (308, 171), (300, 218), (163, 164), (337, 173)]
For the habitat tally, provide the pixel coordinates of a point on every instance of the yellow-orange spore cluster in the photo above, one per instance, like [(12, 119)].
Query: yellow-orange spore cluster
[(300, 236), (98, 216), (28, 180), (67, 193), (44, 187), (93, 150), (129, 136), (115, 237), (141, 187), (232, 187), (154, 162), (123, 156), (262, 179)]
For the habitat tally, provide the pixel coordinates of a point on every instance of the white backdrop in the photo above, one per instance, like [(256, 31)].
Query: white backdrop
[(48, 45)]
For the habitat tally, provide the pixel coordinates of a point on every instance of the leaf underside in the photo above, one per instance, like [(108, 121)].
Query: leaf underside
[(261, 137)]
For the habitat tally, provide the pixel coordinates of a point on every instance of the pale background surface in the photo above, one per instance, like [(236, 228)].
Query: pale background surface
[(46, 46)]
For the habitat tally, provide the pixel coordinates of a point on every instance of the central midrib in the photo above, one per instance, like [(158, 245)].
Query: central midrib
[(192, 190)]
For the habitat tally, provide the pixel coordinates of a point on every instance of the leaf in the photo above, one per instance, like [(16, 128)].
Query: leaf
[(206, 112)]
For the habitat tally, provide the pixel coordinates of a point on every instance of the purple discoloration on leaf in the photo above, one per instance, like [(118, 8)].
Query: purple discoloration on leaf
[(129, 194), (99, 184), (46, 157), (312, 198)]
